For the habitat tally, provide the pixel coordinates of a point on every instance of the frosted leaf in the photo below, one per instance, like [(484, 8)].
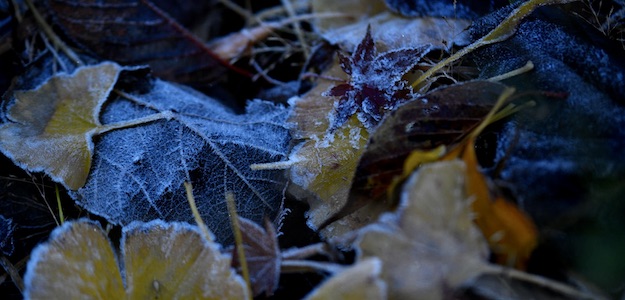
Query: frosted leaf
[(158, 260), (126, 158), (138, 173)]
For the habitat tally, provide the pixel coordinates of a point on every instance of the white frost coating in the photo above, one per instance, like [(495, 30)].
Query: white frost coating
[(203, 140), (354, 137)]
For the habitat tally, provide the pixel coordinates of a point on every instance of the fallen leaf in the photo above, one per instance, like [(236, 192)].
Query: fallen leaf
[(139, 33), (511, 234), (441, 117), (138, 172), (51, 128), (375, 86), (389, 30), (158, 260), (360, 281), (262, 254), (325, 163), (429, 246)]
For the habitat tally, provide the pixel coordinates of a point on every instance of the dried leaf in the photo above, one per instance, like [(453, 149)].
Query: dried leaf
[(51, 128), (159, 260), (136, 33), (389, 30), (263, 256), (325, 163), (360, 281), (138, 172), (441, 117), (511, 234), (430, 246)]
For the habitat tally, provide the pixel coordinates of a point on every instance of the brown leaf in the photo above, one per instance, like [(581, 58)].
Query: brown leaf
[(441, 117), (263, 256), (429, 246), (139, 32)]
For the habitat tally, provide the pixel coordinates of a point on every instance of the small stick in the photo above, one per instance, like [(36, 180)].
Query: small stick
[(196, 214), (238, 238)]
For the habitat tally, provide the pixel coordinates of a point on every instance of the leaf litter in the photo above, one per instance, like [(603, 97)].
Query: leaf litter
[(348, 151), (152, 264), (143, 180)]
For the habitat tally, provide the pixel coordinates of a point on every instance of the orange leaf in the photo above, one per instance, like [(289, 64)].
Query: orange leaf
[(511, 234)]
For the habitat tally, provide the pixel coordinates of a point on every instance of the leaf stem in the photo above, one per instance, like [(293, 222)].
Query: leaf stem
[(55, 38), (58, 203), (196, 214), (167, 115), (295, 266), (537, 280), (526, 68), (503, 31), (238, 238)]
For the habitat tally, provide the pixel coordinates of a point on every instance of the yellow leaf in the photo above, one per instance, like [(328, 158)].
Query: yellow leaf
[(52, 126), (360, 281), (160, 260)]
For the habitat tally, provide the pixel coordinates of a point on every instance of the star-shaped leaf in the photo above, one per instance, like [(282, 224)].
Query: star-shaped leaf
[(375, 85)]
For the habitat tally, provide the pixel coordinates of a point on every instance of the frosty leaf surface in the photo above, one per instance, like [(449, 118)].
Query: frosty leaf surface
[(160, 260), (138, 173), (390, 30), (147, 145), (173, 261), (50, 128)]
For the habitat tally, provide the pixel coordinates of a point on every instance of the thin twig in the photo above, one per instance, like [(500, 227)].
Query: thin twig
[(196, 214), (51, 35), (238, 239), (298, 29)]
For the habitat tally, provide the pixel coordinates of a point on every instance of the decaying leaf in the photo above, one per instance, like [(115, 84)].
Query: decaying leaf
[(441, 117), (430, 246), (360, 281), (325, 163), (389, 30), (511, 234), (138, 172), (139, 33), (263, 256), (159, 260)]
